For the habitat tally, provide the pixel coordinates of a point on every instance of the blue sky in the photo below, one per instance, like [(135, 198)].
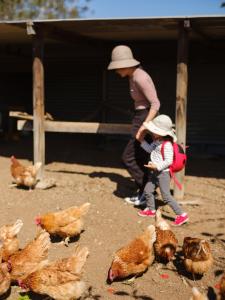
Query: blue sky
[(149, 8)]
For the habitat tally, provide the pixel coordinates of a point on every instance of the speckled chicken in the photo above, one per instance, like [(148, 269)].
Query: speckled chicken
[(30, 258), (196, 295), (60, 280), (222, 287), (197, 255), (166, 242), (5, 279), (24, 175), (8, 236), (134, 258), (66, 223)]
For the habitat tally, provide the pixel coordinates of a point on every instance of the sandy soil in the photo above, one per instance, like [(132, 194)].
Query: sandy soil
[(88, 169)]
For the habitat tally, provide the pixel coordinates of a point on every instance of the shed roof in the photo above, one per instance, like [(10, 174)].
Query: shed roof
[(142, 29)]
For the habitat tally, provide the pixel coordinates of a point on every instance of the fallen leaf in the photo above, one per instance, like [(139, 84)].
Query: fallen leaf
[(164, 276), (217, 286), (111, 290)]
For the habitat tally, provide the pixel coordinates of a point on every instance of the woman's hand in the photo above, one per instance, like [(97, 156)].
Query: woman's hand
[(141, 134), (151, 166)]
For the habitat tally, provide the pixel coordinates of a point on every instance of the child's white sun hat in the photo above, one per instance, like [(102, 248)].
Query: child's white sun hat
[(161, 125)]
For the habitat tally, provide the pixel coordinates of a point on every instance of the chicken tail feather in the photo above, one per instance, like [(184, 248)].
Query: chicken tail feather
[(15, 229), (84, 208), (42, 242), (152, 232), (196, 295), (160, 222), (81, 255)]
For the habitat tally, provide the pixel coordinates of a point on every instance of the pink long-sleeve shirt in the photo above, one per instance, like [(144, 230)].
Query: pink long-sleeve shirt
[(142, 90)]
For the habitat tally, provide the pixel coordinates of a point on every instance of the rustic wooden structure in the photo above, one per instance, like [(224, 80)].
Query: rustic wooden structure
[(38, 100), (181, 95), (101, 36)]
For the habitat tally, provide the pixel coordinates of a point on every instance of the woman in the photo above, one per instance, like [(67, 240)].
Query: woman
[(146, 107)]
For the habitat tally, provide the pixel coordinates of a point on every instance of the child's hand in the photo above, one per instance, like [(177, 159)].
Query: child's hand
[(141, 134), (151, 166)]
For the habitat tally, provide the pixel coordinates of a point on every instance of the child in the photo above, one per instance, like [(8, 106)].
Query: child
[(161, 129)]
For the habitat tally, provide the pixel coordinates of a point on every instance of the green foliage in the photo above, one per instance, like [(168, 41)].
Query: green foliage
[(26, 297), (41, 9)]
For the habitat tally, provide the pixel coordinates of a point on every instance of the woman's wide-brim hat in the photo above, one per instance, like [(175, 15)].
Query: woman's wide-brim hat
[(122, 57), (161, 125)]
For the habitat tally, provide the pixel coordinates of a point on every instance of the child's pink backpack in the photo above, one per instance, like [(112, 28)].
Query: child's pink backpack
[(179, 160)]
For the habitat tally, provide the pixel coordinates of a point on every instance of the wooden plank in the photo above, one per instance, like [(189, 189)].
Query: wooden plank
[(181, 97), (25, 116), (78, 127), (38, 101)]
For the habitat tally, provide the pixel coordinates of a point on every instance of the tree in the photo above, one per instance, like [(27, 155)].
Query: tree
[(41, 9), (223, 4)]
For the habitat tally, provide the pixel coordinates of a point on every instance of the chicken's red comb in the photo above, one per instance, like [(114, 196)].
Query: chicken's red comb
[(38, 220)]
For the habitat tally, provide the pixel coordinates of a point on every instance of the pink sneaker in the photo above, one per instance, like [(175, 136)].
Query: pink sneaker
[(181, 219), (147, 213)]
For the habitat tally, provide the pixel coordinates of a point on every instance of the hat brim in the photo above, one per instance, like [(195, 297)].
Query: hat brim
[(154, 129), (120, 64)]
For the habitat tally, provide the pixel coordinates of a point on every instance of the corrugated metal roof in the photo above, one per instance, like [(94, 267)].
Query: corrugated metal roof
[(152, 28)]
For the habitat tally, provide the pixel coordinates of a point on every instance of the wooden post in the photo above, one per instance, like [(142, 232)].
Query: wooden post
[(181, 96), (38, 101)]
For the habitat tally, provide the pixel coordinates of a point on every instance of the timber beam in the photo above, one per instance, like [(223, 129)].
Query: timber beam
[(55, 33), (78, 127)]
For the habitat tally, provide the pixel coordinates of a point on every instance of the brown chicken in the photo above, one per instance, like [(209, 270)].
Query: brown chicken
[(24, 175), (197, 255), (30, 258), (66, 223), (8, 236), (196, 295), (5, 279), (166, 242), (222, 287), (60, 280), (134, 258)]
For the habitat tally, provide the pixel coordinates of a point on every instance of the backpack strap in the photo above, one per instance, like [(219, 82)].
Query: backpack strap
[(162, 148), (178, 184)]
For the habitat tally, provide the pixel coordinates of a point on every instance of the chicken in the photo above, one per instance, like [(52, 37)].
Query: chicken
[(197, 255), (60, 280), (196, 295), (32, 257), (222, 287), (134, 258), (5, 279), (8, 236), (66, 223), (24, 175), (166, 242)]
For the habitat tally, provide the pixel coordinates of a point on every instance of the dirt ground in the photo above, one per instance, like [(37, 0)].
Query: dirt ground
[(88, 168)]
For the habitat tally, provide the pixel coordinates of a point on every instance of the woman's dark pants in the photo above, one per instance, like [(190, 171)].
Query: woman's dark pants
[(134, 157)]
